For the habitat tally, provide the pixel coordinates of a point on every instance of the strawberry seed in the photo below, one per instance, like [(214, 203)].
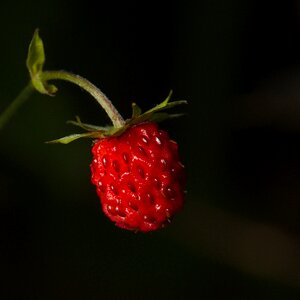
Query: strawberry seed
[(105, 161), (126, 157)]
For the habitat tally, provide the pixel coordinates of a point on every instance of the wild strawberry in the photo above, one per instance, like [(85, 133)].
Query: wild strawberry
[(139, 177), (136, 167)]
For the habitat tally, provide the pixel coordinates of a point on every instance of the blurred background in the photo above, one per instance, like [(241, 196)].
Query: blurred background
[(238, 65)]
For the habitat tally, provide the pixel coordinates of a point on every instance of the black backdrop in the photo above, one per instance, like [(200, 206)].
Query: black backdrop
[(237, 64)]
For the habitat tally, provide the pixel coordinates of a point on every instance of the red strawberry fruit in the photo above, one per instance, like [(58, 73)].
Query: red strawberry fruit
[(139, 177), (136, 169)]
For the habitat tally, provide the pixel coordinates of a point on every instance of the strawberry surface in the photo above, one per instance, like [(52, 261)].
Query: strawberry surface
[(139, 177)]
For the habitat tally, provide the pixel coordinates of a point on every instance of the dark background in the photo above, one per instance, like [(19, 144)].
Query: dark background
[(237, 64)]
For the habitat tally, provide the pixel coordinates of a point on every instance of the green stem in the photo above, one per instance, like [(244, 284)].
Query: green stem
[(106, 104), (14, 106)]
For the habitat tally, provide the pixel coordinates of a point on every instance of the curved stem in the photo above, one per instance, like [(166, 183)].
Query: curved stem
[(106, 104), (14, 106)]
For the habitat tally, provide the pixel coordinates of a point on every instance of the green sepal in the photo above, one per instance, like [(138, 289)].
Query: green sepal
[(163, 104), (159, 117), (150, 114), (154, 114), (136, 111), (96, 132), (35, 62), (72, 137), (89, 127)]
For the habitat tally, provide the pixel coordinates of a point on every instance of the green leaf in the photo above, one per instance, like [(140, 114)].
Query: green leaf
[(70, 138), (35, 62), (36, 55)]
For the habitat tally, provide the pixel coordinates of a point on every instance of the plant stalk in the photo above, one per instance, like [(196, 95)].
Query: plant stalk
[(100, 97), (6, 115)]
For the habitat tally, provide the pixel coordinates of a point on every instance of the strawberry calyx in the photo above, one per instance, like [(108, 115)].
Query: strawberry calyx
[(155, 114)]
